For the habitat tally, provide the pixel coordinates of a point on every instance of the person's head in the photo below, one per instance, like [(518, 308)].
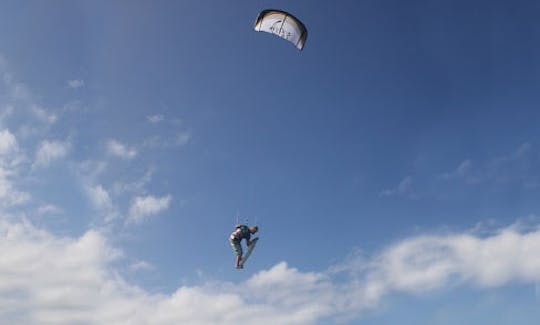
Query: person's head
[(253, 229)]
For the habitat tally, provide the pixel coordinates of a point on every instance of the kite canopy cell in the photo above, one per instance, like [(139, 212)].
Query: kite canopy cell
[(282, 24)]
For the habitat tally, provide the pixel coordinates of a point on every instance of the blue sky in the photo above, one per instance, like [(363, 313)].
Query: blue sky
[(393, 165)]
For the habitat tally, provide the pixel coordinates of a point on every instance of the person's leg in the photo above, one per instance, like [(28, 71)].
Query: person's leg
[(238, 259), (237, 248)]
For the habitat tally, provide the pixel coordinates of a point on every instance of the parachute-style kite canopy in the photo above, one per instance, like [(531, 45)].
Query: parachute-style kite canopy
[(282, 24)]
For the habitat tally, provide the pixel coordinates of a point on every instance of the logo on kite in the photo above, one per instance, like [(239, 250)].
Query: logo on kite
[(282, 24)]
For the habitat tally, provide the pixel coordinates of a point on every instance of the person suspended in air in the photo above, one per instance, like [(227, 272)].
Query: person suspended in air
[(235, 239)]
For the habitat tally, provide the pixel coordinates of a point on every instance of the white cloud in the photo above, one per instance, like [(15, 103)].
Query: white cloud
[(10, 161), (404, 188), (460, 172), (14, 91), (9, 195), (50, 151), (91, 169), (17, 91), (430, 262), (303, 296), (53, 280), (518, 167), (137, 186), (141, 266), (154, 119), (20, 108), (99, 197), (119, 149), (48, 209), (49, 279), (154, 142), (178, 140), (102, 202), (6, 112), (44, 115), (8, 142), (77, 83), (144, 207), (183, 138)]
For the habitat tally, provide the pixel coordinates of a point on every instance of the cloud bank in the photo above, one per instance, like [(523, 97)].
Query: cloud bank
[(48, 279)]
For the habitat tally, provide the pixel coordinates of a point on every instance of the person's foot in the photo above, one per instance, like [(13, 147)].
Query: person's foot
[(239, 267)]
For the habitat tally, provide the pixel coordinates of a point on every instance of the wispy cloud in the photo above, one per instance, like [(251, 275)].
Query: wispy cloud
[(102, 202), (9, 194), (44, 115), (10, 161), (48, 209), (99, 197), (405, 188), (143, 207), (8, 142), (183, 138), (137, 186), (76, 83), (120, 150), (49, 279), (141, 266), (16, 91), (154, 119), (520, 167), (6, 112), (460, 172), (20, 109), (111, 201), (50, 151), (173, 133), (29, 143)]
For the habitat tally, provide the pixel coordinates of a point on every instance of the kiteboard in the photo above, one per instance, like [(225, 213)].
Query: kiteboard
[(249, 250)]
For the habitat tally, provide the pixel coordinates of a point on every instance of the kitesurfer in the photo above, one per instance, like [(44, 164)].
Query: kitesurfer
[(241, 232)]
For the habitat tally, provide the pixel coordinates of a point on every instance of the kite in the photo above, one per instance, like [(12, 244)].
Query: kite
[(282, 24)]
